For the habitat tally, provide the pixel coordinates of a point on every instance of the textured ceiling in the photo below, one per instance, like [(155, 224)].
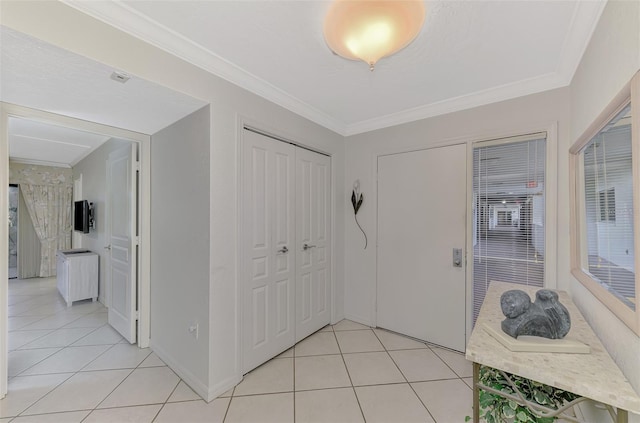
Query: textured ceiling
[(469, 53)]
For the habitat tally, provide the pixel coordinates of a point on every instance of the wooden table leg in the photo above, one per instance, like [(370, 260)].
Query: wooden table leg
[(476, 393)]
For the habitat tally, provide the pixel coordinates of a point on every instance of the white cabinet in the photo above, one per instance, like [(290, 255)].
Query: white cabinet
[(77, 275)]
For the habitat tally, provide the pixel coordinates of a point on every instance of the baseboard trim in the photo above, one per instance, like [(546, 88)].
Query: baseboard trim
[(222, 387), (358, 319), (188, 377)]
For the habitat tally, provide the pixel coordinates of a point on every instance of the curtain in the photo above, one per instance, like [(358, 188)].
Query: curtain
[(50, 211), (28, 244)]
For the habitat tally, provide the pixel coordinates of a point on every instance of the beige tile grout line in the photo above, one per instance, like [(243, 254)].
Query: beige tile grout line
[(353, 388), (116, 387), (428, 345), (342, 354), (127, 377), (405, 378)]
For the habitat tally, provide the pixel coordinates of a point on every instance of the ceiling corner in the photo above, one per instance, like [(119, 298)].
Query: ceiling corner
[(585, 20)]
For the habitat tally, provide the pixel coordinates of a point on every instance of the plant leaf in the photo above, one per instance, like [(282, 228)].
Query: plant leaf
[(353, 201), (508, 412), (521, 416), (359, 203)]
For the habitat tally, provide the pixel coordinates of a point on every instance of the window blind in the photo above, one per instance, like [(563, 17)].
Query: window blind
[(508, 213), (608, 198)]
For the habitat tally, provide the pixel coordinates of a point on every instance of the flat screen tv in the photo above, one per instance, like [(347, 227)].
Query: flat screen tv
[(81, 216)]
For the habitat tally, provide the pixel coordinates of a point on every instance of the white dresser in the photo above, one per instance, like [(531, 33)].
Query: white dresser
[(77, 275)]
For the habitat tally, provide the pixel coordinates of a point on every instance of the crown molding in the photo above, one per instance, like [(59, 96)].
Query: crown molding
[(38, 162), (134, 23), (129, 20), (509, 91), (584, 21), (585, 18)]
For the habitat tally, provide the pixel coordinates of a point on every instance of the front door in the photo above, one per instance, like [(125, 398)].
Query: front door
[(121, 235), (313, 245), (421, 220)]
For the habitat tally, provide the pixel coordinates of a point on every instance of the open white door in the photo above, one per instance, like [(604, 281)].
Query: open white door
[(421, 220), (268, 240), (313, 242), (121, 235)]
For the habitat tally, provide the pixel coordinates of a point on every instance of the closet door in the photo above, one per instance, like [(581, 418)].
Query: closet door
[(268, 237), (313, 242)]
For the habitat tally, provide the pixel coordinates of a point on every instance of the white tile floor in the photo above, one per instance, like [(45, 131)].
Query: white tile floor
[(68, 365)]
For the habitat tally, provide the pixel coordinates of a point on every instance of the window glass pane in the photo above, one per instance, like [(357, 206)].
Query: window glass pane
[(508, 215), (608, 184)]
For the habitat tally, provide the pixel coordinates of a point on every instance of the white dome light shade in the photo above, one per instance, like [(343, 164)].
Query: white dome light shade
[(369, 30)]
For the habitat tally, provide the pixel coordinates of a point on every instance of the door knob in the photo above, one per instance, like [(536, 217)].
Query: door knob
[(457, 257), (283, 250), (305, 247), (107, 247)]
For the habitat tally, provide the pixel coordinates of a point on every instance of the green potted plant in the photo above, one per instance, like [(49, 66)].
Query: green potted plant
[(497, 409)]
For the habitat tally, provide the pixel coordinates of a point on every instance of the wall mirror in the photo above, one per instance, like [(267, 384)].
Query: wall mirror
[(606, 207)]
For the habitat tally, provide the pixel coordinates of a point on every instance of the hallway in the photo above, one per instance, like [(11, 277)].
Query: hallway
[(504, 254)]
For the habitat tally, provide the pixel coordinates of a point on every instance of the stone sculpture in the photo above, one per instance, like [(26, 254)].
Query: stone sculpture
[(546, 317)]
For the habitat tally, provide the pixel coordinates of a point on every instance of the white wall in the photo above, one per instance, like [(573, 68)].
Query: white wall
[(611, 59), (67, 28), (514, 117), (180, 247), (93, 169)]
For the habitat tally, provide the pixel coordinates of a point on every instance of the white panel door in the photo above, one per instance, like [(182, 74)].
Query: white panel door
[(421, 219), (268, 243), (313, 242), (121, 235)]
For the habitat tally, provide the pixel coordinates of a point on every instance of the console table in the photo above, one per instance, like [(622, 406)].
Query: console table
[(594, 375)]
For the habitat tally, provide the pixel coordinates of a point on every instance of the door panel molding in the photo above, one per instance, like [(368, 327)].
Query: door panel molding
[(313, 244), (121, 232), (282, 187), (268, 242)]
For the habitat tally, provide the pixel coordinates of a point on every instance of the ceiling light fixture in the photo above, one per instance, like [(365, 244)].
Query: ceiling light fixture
[(369, 30)]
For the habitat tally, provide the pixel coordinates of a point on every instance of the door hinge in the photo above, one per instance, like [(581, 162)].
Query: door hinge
[(137, 166), (137, 315), (137, 240)]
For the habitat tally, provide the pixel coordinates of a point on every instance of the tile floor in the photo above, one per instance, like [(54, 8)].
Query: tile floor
[(68, 365)]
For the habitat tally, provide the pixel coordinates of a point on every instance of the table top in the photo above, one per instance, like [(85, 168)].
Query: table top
[(594, 375)]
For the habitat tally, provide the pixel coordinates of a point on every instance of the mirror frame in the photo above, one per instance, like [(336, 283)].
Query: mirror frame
[(629, 94)]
